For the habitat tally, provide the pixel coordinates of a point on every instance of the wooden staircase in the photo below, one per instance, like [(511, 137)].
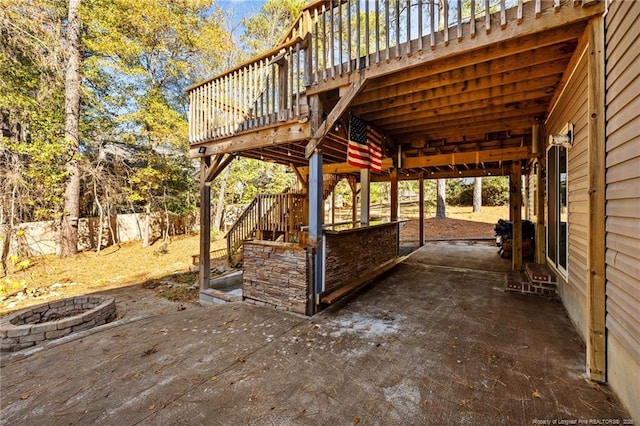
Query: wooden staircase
[(271, 216)]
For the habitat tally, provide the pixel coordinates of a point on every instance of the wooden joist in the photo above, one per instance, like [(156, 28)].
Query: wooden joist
[(356, 283)]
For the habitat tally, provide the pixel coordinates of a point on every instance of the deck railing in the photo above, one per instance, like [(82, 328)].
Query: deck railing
[(277, 214), (331, 39)]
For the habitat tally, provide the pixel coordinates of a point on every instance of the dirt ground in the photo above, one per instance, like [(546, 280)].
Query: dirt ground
[(163, 276)]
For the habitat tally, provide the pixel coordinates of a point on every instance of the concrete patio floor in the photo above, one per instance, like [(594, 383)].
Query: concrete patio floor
[(435, 341)]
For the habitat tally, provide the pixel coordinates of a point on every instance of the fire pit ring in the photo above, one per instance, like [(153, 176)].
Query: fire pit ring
[(53, 320)]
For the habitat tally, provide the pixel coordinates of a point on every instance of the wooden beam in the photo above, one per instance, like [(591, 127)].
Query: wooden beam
[(365, 180), (214, 170), (302, 179), (358, 282), (334, 115), (277, 134), (473, 157), (596, 337), (346, 168), (538, 140), (445, 174), (393, 214), (469, 117), (204, 274), (524, 66), (515, 187), (513, 125)]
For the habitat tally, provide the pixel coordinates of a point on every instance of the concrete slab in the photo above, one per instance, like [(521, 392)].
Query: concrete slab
[(426, 344)]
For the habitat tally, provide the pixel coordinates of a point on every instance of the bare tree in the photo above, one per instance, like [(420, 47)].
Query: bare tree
[(477, 195), (217, 221), (441, 196), (69, 228)]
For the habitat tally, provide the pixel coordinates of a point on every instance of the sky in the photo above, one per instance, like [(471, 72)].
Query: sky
[(239, 9)]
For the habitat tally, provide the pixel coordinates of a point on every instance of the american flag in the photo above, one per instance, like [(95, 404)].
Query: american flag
[(365, 146)]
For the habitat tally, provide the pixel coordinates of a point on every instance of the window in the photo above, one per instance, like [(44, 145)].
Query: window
[(557, 235)]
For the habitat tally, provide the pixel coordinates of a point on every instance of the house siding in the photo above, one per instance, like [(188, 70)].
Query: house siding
[(623, 201), (572, 107)]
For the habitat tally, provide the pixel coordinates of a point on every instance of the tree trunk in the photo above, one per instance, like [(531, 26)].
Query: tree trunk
[(147, 226), (442, 199), (69, 228), (477, 195), (217, 220)]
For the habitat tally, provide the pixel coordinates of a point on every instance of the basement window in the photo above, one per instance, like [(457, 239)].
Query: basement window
[(558, 211)]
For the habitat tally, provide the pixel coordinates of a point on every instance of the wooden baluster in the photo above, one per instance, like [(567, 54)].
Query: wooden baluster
[(340, 59), (332, 38), (290, 82), (357, 35), (397, 25), (263, 109), (247, 98), (420, 33), (298, 80), (459, 23), (324, 43), (387, 35), (348, 26), (234, 93), (503, 15), (472, 22), (445, 25), (254, 95), (316, 39), (408, 2), (377, 12), (267, 91), (519, 12), (207, 111), (556, 5), (191, 117), (432, 19), (367, 61), (538, 9), (274, 86), (487, 16)]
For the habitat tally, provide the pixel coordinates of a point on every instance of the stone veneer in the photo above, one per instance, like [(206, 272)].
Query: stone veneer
[(34, 326), (276, 274), (351, 253)]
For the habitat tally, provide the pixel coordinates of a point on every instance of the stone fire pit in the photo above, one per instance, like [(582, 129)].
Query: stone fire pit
[(36, 325)]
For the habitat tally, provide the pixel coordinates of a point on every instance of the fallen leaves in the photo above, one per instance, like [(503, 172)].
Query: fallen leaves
[(537, 394)]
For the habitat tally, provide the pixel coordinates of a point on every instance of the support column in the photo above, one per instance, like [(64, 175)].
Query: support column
[(393, 216), (316, 214), (596, 339), (540, 257), (421, 209), (365, 180), (515, 186), (316, 206), (204, 274)]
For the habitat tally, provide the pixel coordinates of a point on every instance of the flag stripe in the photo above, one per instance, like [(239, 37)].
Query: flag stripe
[(365, 146)]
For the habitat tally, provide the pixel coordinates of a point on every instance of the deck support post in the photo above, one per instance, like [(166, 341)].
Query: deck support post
[(316, 213), (540, 257), (596, 338), (515, 190), (316, 210), (421, 209), (204, 274), (365, 180), (393, 175)]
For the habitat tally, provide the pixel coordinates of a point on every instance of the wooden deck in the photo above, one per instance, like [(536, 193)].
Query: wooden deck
[(455, 81)]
